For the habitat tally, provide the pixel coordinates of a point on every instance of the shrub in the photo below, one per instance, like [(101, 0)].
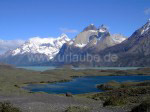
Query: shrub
[(78, 109), (8, 107), (143, 107), (115, 101)]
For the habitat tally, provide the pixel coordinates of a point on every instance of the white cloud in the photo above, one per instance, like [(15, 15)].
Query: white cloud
[(147, 11), (66, 30), (6, 45)]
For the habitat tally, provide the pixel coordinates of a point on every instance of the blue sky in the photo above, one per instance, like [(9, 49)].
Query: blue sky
[(22, 19)]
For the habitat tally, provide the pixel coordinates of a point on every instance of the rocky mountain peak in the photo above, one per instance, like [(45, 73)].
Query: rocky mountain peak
[(103, 28), (146, 27), (63, 36), (90, 27), (148, 23), (103, 32)]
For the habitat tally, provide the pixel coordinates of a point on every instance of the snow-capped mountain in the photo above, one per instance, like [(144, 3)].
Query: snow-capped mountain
[(92, 36), (98, 35), (133, 51), (82, 39), (35, 51), (48, 46), (145, 28), (38, 50), (91, 39)]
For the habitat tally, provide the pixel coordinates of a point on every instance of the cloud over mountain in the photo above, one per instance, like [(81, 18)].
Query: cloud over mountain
[(6, 45)]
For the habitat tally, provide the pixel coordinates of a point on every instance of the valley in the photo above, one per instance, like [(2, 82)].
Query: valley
[(13, 79), (74, 56)]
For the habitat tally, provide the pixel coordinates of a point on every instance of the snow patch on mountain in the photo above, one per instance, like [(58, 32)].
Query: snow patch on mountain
[(80, 45), (48, 46), (100, 34), (118, 38), (146, 27)]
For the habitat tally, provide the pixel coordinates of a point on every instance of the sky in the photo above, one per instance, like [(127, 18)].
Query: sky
[(23, 19)]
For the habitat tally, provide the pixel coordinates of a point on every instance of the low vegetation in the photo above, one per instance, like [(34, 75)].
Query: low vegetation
[(8, 107), (143, 107), (120, 94), (115, 85), (109, 86), (77, 109), (115, 101)]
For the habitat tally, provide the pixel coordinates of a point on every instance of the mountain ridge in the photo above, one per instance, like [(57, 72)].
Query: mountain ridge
[(34, 51), (133, 51)]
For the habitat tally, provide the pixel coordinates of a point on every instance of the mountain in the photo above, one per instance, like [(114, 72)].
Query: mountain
[(91, 47), (91, 39), (134, 51), (83, 38), (100, 35), (34, 51), (48, 46)]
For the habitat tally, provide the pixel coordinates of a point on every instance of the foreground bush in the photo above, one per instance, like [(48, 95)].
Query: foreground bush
[(143, 107), (121, 94), (8, 107), (77, 109), (115, 101)]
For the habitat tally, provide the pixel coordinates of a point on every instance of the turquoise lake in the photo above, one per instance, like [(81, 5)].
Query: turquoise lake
[(43, 68)]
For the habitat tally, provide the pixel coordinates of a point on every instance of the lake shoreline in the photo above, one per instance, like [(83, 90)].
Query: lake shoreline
[(21, 76), (87, 72), (89, 83), (12, 78)]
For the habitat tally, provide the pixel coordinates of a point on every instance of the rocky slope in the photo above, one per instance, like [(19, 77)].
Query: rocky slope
[(91, 39), (96, 36), (134, 51)]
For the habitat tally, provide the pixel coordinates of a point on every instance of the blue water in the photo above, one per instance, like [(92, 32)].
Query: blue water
[(82, 84), (43, 68), (38, 68)]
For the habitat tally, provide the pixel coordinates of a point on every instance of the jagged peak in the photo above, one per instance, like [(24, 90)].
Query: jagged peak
[(91, 24), (146, 27), (48, 46), (103, 28), (103, 25), (63, 36), (90, 27)]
